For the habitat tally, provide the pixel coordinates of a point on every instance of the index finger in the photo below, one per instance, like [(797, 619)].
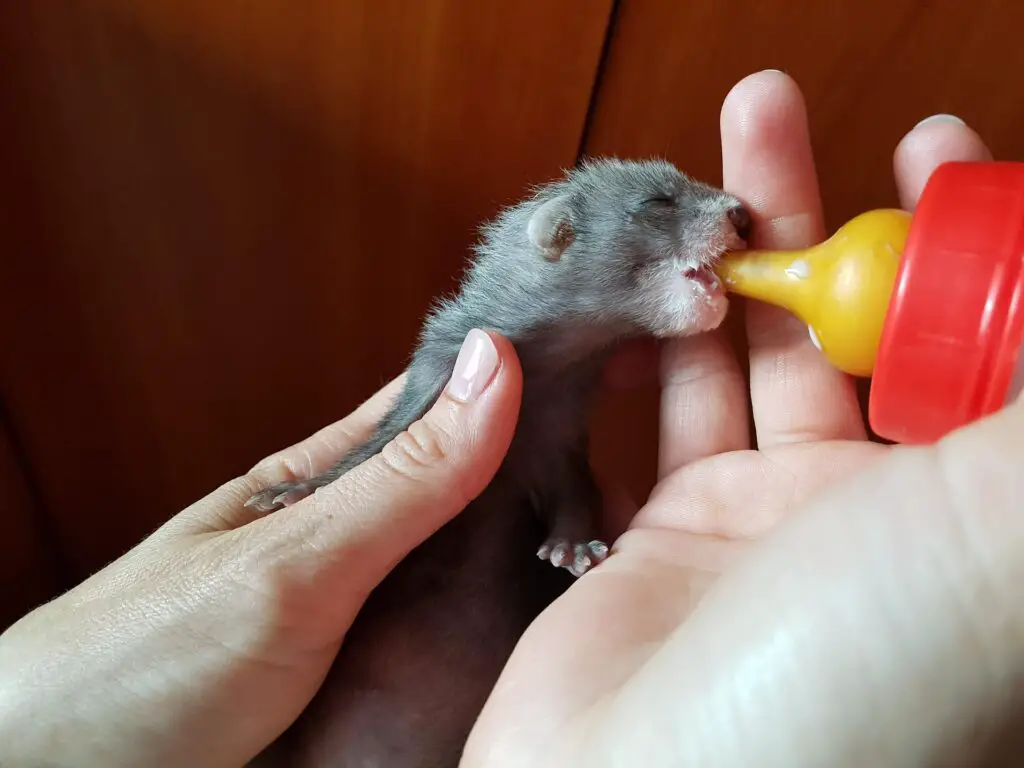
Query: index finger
[(795, 393), (935, 140)]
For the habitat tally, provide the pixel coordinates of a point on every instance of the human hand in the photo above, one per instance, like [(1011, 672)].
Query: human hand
[(871, 627), (202, 644)]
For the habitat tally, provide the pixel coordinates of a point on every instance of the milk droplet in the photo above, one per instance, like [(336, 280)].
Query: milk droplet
[(799, 269), (814, 338)]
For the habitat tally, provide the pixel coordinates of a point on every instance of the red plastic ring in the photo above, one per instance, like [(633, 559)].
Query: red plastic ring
[(954, 326)]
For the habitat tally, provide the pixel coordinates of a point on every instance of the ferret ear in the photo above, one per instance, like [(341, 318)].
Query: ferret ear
[(550, 228)]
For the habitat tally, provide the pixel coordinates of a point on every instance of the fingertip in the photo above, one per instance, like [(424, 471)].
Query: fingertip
[(933, 141), (767, 160), (749, 100), (494, 419)]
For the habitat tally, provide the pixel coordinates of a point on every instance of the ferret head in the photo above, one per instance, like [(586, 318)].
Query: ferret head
[(634, 242)]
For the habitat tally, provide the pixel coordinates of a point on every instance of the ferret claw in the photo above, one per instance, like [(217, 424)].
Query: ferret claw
[(577, 557), (261, 502), (276, 497)]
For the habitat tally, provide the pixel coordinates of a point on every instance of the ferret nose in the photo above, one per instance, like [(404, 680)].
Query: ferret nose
[(739, 217)]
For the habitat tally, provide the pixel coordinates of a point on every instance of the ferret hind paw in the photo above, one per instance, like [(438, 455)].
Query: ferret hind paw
[(278, 496), (577, 557)]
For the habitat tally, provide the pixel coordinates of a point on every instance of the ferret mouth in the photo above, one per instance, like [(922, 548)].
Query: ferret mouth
[(705, 277)]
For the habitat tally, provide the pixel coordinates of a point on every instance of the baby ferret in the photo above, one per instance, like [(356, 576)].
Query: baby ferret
[(613, 250)]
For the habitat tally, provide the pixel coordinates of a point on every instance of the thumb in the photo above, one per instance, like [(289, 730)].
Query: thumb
[(365, 522)]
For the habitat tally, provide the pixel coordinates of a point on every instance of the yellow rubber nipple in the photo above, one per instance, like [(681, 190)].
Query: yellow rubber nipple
[(840, 288)]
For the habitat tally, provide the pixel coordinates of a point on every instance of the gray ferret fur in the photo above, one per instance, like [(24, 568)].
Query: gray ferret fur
[(611, 251)]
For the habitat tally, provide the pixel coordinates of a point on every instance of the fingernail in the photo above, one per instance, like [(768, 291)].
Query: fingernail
[(941, 119), (814, 338), (777, 71), (476, 364)]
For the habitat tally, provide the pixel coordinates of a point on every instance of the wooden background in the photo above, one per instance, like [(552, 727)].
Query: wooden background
[(221, 222)]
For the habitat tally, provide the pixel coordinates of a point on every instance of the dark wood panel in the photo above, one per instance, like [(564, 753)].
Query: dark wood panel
[(226, 220), (28, 566), (869, 69)]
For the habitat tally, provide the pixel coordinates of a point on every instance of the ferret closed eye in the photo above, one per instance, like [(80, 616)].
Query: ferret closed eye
[(658, 201)]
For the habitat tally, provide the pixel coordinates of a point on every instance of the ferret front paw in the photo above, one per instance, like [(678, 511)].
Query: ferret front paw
[(577, 557), (278, 496)]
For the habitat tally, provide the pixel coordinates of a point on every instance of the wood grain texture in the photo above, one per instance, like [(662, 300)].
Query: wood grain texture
[(29, 569), (226, 220), (869, 69)]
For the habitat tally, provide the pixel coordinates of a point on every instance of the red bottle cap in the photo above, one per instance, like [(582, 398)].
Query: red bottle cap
[(955, 322)]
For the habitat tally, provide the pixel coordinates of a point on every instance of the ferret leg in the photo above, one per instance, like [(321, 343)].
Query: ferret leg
[(571, 509), (426, 379), (289, 492), (574, 553)]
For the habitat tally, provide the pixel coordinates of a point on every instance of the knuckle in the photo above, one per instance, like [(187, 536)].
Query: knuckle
[(423, 447)]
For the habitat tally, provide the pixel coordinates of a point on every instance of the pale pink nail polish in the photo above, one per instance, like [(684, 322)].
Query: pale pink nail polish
[(941, 119), (474, 368)]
